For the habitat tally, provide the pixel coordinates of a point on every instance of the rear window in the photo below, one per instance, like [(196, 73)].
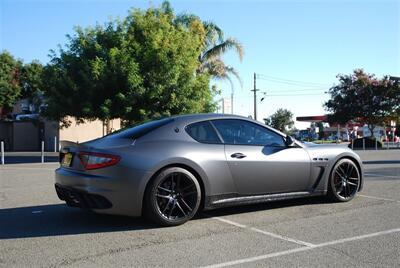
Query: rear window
[(203, 132), (140, 130)]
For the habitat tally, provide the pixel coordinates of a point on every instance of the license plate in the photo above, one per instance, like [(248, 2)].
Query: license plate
[(67, 159)]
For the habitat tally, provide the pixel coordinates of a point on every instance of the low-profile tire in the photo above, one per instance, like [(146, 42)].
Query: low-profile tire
[(344, 181), (173, 197)]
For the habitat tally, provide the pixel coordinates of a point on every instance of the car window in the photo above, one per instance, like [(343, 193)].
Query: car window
[(203, 132), (140, 130), (242, 132)]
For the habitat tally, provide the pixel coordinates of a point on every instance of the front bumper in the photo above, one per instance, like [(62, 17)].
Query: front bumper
[(118, 190)]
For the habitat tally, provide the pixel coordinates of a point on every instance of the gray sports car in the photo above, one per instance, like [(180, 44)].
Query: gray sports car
[(171, 168)]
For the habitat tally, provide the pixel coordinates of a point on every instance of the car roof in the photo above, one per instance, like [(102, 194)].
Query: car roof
[(204, 116), (191, 118)]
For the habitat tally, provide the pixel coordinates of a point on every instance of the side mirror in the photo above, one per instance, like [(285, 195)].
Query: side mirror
[(289, 141)]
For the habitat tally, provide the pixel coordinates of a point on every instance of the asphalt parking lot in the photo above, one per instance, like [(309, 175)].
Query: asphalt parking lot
[(36, 229)]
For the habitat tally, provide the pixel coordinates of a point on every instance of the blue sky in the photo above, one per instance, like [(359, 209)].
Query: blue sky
[(309, 41)]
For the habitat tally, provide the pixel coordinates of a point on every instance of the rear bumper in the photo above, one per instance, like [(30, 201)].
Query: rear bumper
[(118, 190), (81, 199)]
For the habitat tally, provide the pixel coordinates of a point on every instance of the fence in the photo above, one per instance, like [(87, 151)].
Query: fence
[(385, 145), (42, 151)]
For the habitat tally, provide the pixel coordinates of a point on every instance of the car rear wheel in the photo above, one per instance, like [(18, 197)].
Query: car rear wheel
[(344, 181), (173, 197)]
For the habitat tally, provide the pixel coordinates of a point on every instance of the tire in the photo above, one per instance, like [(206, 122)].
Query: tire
[(173, 197), (344, 181)]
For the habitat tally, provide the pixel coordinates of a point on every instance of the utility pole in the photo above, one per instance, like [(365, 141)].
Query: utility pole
[(232, 102), (255, 96)]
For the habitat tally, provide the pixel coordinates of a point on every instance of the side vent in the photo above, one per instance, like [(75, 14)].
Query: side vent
[(320, 159), (321, 173)]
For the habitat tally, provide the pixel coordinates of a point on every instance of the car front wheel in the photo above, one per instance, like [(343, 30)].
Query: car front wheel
[(344, 181), (173, 197)]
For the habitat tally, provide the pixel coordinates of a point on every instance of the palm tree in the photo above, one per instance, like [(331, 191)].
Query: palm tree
[(210, 60)]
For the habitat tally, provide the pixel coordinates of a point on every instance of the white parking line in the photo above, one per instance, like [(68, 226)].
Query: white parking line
[(296, 241), (379, 198), (228, 222), (257, 258), (291, 251), (283, 237)]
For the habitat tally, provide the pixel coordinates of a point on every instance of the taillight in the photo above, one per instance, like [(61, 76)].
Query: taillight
[(97, 160)]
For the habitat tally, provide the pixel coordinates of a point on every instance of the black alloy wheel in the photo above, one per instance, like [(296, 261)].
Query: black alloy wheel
[(174, 197), (344, 181)]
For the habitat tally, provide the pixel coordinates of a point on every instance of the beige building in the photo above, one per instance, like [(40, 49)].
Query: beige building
[(27, 130), (22, 135), (28, 135), (87, 131)]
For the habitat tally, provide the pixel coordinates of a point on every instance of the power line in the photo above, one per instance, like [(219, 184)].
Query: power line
[(315, 86), (292, 83), (289, 95), (296, 90), (277, 79)]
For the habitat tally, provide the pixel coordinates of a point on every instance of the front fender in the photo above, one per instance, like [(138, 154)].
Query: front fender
[(351, 155), (324, 156)]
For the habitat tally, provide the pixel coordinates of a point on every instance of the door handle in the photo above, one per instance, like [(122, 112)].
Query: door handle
[(238, 155)]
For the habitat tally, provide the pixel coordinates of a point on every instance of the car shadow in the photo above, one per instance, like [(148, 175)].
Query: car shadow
[(58, 219)]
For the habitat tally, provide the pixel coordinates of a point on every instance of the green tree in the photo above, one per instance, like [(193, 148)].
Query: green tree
[(282, 120), (10, 88), (363, 98), (320, 127), (135, 69), (31, 82)]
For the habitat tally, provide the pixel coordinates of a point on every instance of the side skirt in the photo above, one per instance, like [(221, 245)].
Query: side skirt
[(227, 200)]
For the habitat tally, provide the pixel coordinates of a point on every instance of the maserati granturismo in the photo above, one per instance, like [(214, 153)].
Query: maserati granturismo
[(170, 169)]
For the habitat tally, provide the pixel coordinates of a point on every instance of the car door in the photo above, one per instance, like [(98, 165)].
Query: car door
[(259, 160)]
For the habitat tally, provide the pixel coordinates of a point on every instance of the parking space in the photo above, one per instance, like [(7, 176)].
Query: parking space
[(366, 252), (36, 229)]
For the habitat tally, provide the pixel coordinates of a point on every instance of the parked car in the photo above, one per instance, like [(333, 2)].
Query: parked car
[(170, 169), (22, 117), (333, 138)]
